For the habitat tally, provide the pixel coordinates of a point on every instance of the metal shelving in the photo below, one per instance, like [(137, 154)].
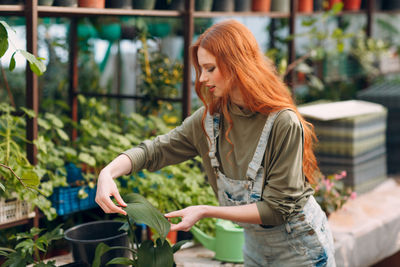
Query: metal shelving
[(32, 11)]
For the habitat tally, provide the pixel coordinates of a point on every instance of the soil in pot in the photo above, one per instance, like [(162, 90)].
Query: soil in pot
[(84, 239)]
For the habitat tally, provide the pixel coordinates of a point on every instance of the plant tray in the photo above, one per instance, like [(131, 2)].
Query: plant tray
[(12, 210), (66, 201)]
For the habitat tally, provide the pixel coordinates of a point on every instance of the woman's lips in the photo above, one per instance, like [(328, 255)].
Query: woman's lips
[(211, 88)]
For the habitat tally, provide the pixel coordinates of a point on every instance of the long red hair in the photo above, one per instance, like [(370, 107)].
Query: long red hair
[(240, 60)]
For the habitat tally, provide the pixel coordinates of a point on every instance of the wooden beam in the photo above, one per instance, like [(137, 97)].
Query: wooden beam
[(188, 24), (32, 93)]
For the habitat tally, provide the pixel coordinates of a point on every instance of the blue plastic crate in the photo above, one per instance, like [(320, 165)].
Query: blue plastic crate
[(66, 201)]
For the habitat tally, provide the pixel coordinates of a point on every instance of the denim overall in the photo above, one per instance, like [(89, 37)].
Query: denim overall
[(303, 240)]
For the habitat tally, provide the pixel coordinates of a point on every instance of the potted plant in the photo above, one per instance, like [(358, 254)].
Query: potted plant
[(148, 253), (331, 193)]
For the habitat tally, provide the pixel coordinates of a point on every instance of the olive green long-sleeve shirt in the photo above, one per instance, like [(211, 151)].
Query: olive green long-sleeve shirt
[(285, 189)]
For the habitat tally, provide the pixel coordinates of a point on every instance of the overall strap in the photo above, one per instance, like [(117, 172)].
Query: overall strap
[(262, 144), (212, 129)]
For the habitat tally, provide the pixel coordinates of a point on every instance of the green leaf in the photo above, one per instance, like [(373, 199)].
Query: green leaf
[(35, 64), (2, 187), (5, 24), (54, 120), (44, 124), (3, 40), (155, 256), (337, 7), (178, 245), (123, 261), (86, 158), (100, 250), (142, 211), (30, 178), (63, 135), (29, 112), (11, 67)]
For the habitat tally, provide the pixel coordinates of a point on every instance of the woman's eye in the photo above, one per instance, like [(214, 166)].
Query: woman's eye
[(211, 69)]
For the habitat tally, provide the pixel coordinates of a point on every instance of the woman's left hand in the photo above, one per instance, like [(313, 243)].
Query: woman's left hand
[(189, 215)]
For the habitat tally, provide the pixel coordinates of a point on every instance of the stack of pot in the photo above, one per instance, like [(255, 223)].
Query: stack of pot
[(388, 95), (351, 138)]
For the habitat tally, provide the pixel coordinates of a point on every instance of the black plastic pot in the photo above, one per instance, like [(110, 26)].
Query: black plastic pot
[(71, 3), (84, 239), (124, 4)]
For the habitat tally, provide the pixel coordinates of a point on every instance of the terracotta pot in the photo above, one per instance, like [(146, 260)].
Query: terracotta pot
[(172, 236), (352, 4), (305, 6), (261, 5), (92, 3)]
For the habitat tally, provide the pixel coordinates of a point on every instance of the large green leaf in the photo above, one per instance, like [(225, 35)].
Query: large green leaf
[(11, 67), (123, 261), (86, 158), (100, 250), (3, 40), (37, 66), (142, 211), (30, 178), (155, 256)]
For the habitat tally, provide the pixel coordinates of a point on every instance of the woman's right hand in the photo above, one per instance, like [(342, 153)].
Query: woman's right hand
[(106, 188)]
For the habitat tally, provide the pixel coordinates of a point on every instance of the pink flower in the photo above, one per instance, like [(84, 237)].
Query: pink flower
[(340, 176), (353, 195), (328, 184)]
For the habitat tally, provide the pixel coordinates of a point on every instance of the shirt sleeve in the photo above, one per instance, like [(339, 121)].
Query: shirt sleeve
[(174, 147), (285, 187)]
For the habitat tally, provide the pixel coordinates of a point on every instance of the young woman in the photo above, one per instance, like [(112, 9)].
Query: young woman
[(256, 150)]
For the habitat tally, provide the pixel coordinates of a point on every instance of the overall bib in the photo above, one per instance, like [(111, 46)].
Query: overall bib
[(303, 240)]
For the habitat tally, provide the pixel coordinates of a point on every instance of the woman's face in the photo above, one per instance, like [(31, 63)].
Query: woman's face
[(210, 75)]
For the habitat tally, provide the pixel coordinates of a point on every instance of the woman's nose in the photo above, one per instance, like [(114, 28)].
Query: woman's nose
[(203, 77)]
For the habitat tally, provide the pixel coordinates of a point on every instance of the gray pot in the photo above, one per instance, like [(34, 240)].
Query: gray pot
[(204, 5), (280, 6), (177, 5), (224, 5), (46, 2), (243, 5)]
